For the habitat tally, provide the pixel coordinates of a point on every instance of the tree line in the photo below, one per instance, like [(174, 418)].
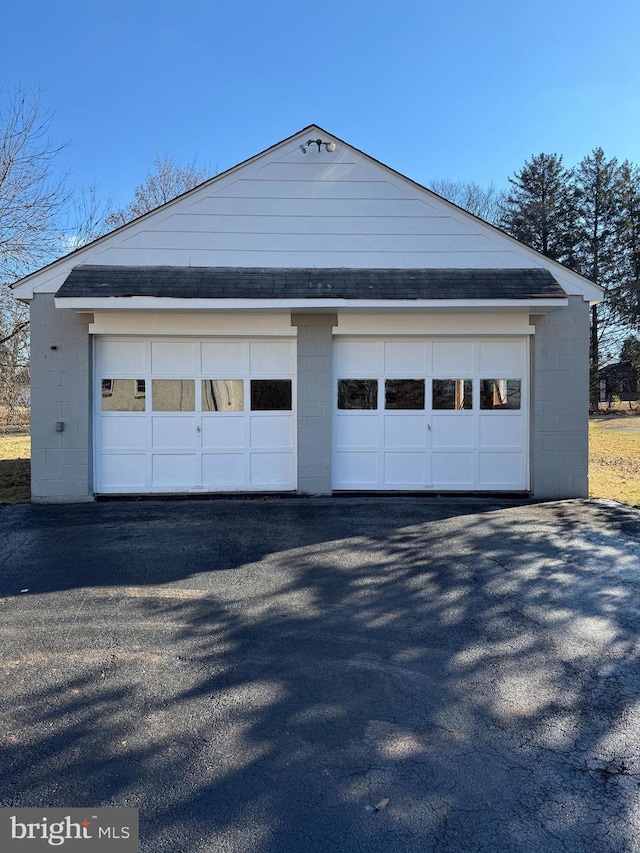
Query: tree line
[(586, 216)]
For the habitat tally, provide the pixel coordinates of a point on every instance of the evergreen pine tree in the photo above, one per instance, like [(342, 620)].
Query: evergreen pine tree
[(624, 293), (599, 251), (535, 208)]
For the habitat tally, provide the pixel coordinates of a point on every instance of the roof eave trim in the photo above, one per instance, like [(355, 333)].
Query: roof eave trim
[(163, 303)]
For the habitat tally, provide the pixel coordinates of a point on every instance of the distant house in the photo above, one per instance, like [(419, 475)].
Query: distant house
[(309, 321), (621, 380)]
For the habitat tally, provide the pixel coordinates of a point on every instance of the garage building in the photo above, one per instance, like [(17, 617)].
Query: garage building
[(310, 321)]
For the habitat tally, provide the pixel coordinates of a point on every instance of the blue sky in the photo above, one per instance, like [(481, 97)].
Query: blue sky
[(462, 90)]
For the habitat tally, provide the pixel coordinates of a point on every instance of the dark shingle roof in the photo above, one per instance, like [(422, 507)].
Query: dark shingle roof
[(277, 283)]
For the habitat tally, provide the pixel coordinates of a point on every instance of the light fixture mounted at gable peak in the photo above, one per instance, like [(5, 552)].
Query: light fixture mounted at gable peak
[(329, 146)]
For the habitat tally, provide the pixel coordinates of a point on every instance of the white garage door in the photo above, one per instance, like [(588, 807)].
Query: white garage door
[(188, 416), (431, 414)]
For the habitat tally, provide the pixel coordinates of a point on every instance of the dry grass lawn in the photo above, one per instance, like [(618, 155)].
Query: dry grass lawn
[(614, 462), (614, 459), (15, 455)]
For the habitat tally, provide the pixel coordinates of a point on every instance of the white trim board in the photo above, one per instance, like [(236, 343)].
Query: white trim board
[(279, 324), (158, 303)]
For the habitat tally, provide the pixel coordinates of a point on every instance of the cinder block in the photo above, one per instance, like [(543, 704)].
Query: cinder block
[(575, 412), (75, 440), (312, 471), (75, 457), (77, 473), (581, 443), (315, 486), (327, 409), (63, 499), (316, 346), (558, 441), (547, 423), (309, 409), (38, 457), (55, 456), (66, 488), (48, 471)]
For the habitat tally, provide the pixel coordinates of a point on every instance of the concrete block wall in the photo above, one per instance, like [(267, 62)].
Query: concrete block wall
[(560, 402), (314, 401), (60, 391)]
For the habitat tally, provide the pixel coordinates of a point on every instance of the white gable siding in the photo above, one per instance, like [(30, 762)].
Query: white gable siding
[(285, 208), (310, 210)]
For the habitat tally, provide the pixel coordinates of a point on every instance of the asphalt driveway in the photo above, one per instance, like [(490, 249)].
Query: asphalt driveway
[(258, 675)]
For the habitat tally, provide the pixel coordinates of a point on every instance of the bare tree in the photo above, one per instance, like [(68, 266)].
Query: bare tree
[(88, 217), (485, 202), (32, 198), (164, 183), (14, 361)]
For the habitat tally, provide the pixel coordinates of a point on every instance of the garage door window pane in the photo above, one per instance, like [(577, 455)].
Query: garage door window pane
[(404, 394), (270, 395), (453, 394), (174, 395), (123, 395), (499, 393), (357, 393), (222, 395)]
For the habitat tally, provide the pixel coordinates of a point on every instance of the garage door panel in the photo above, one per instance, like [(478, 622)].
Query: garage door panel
[(271, 470), (356, 470), (356, 359), (224, 433), (400, 357), (222, 470), (496, 357), (118, 357), (501, 469), (124, 432), (356, 431), (172, 433), (271, 432), (124, 472), (452, 469), (173, 471), (220, 360), (404, 431), (271, 358), (454, 431), (502, 430), (405, 469), (453, 358), (173, 358)]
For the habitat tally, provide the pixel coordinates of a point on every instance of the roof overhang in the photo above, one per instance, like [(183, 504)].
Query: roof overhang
[(224, 289), (153, 303)]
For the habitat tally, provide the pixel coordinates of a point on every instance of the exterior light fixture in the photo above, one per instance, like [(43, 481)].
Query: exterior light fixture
[(329, 146)]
